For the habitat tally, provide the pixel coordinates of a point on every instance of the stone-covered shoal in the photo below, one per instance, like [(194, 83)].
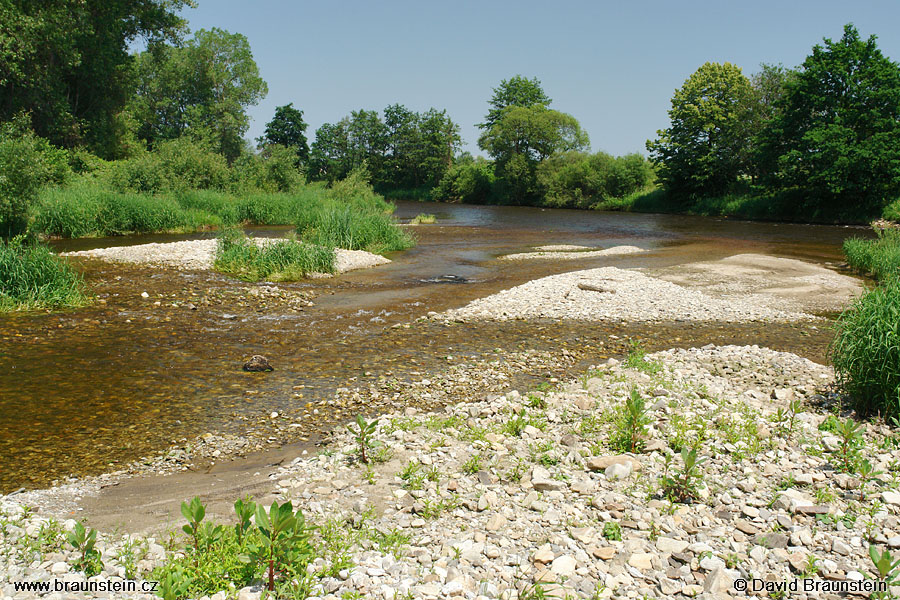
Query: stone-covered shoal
[(514, 493)]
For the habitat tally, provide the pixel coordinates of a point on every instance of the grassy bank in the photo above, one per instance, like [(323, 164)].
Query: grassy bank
[(879, 257), (32, 277), (283, 260)]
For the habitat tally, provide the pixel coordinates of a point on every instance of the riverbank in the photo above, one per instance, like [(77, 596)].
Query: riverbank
[(522, 491)]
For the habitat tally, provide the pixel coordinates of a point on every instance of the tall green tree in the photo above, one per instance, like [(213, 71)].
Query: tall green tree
[(66, 63), (515, 91), (288, 129), (523, 137), (202, 88), (836, 137), (705, 149)]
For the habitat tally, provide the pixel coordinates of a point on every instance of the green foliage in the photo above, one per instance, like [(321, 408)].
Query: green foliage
[(83, 542), (682, 486), (284, 539), (178, 164), (352, 217), (880, 257), (282, 260), (201, 88), (579, 180), (866, 473), (287, 129), (888, 570), (866, 350), (521, 139), (468, 180), (67, 64), (423, 219), (515, 91), (32, 277), (363, 434), (612, 531), (27, 163), (850, 436), (631, 424), (637, 359), (704, 150), (834, 138), (404, 150), (472, 465)]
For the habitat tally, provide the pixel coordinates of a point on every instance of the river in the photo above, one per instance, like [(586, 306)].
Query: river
[(86, 391)]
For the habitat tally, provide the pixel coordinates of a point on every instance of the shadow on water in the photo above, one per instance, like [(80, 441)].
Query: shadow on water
[(83, 391)]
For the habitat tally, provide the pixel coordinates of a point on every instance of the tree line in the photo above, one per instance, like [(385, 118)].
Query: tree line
[(810, 141), (818, 141)]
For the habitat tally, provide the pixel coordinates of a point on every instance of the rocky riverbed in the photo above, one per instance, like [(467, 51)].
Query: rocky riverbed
[(533, 494)]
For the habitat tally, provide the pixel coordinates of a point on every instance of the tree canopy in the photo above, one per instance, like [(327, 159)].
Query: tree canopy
[(836, 135), (201, 88), (288, 129), (516, 91), (67, 63), (703, 151)]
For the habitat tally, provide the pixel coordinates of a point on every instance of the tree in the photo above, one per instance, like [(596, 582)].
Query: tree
[(202, 88), (523, 137), (516, 91), (764, 104), (66, 63), (288, 129), (836, 138), (705, 149)]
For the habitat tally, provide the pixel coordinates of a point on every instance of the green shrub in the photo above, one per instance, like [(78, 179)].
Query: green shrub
[(31, 277), (866, 350), (27, 163), (178, 164), (468, 181), (879, 257), (891, 212), (283, 260), (580, 180)]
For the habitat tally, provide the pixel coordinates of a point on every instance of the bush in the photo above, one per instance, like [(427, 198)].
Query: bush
[(866, 350), (178, 164), (879, 257), (27, 163), (579, 180), (31, 277), (283, 260), (469, 181)]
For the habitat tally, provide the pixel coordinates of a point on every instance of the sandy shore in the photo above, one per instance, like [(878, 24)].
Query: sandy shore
[(199, 255)]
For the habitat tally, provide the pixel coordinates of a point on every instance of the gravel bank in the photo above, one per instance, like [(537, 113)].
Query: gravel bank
[(609, 293), (516, 493), (569, 252), (198, 255)]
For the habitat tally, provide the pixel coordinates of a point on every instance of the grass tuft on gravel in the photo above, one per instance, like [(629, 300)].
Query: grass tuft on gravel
[(283, 260), (879, 257)]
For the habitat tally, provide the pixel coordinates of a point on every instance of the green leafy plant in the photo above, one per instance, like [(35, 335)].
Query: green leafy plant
[(612, 531), (284, 540), (202, 537), (473, 465), (867, 473), (244, 509), (631, 424), (888, 570), (850, 435), (637, 359), (363, 433), (83, 541), (682, 486)]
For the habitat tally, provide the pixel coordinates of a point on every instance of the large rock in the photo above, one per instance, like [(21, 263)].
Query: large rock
[(258, 364), (601, 463), (541, 481)]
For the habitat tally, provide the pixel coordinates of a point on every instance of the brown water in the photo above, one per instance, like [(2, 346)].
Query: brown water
[(83, 391)]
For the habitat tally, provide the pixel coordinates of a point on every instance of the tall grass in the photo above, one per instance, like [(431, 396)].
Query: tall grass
[(282, 260), (348, 215), (32, 277), (879, 257), (866, 350)]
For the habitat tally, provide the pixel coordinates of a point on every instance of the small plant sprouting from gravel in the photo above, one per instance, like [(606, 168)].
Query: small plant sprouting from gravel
[(83, 541), (683, 485), (866, 472), (631, 424), (612, 531), (363, 433), (888, 569), (637, 359)]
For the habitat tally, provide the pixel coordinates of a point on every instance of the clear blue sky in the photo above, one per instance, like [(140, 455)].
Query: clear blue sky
[(613, 65)]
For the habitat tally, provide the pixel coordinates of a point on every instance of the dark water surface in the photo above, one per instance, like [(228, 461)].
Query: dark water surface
[(83, 391)]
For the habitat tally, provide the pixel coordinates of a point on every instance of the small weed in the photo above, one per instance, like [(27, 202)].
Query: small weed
[(631, 424), (636, 359), (683, 485), (473, 465), (83, 541), (888, 569), (612, 531), (363, 432)]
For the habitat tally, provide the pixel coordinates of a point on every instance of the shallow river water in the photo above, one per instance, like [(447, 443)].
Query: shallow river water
[(84, 391)]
